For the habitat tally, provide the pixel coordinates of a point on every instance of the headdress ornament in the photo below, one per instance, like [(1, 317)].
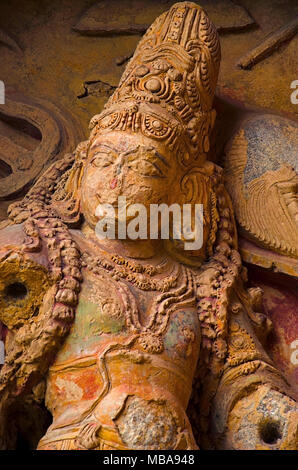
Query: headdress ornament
[(167, 89)]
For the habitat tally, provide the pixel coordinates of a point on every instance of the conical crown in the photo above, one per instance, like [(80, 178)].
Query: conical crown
[(167, 89)]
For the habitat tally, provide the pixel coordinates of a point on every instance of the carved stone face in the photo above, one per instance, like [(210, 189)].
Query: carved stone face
[(130, 165)]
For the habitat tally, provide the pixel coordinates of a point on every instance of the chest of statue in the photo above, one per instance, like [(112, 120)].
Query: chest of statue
[(127, 339), (122, 299)]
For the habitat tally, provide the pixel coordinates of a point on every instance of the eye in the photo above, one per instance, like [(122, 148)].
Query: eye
[(102, 160), (145, 168)]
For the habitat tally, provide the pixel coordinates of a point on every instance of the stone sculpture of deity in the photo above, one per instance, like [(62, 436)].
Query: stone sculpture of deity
[(139, 344)]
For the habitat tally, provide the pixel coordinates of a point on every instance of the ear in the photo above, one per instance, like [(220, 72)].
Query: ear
[(197, 186), (67, 197)]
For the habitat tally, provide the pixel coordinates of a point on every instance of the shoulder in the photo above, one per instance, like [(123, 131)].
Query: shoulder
[(11, 236), (12, 239)]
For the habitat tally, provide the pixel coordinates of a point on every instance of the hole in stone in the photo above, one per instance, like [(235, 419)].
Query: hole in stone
[(21, 125), (5, 169), (16, 291), (270, 431)]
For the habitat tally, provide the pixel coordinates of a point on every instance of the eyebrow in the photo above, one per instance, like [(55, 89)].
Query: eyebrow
[(157, 154), (98, 146)]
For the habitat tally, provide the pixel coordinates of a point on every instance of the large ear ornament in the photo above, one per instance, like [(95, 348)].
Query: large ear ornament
[(67, 196), (197, 186)]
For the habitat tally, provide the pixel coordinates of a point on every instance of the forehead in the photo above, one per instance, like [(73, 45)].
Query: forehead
[(125, 142), (116, 140)]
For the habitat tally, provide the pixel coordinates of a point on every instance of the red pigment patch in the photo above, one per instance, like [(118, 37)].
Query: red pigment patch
[(113, 183)]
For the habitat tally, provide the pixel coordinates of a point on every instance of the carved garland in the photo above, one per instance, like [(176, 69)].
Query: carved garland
[(36, 343)]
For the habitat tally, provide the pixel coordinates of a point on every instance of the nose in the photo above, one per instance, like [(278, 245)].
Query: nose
[(116, 181), (119, 164)]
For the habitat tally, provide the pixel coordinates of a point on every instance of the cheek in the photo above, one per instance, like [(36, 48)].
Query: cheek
[(160, 191), (146, 190), (89, 191), (167, 188), (94, 182), (88, 185)]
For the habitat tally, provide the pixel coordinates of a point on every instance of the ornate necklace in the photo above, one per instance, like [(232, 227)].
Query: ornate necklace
[(138, 274), (150, 334)]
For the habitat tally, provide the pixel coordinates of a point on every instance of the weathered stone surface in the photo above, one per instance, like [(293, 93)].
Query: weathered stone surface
[(33, 133), (96, 88), (228, 16), (269, 45), (260, 422), (279, 302), (8, 41), (274, 262), (261, 169), (272, 143), (119, 333), (103, 18)]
